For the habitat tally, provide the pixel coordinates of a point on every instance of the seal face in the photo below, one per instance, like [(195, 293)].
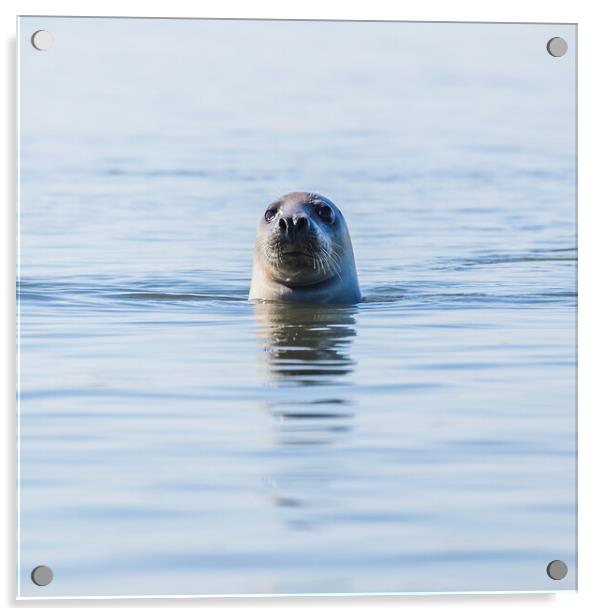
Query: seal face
[(303, 253)]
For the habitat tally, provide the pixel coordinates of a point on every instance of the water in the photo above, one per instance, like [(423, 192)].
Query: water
[(177, 439)]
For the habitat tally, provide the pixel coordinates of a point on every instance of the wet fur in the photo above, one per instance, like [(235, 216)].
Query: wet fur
[(326, 274)]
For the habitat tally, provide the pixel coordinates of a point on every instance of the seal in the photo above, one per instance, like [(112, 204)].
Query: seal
[(303, 253)]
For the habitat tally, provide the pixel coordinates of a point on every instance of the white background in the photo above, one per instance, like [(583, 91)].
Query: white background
[(585, 13)]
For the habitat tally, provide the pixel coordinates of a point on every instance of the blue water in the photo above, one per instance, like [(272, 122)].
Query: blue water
[(177, 439)]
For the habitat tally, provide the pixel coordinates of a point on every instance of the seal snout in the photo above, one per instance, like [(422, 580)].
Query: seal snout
[(293, 226)]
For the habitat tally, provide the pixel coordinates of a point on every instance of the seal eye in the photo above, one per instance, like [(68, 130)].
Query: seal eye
[(269, 214), (326, 214)]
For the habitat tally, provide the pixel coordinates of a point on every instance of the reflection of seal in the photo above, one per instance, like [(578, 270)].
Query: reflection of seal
[(307, 351), (306, 344), (303, 253)]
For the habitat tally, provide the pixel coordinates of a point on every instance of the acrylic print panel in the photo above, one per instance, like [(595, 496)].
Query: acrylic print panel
[(176, 438)]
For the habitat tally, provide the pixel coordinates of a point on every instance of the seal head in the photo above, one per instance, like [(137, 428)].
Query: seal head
[(303, 253)]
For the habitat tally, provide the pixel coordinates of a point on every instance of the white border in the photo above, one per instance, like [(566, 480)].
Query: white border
[(583, 12), (18, 315)]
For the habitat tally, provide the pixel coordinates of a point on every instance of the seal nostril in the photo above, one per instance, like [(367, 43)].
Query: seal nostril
[(302, 223), (282, 224)]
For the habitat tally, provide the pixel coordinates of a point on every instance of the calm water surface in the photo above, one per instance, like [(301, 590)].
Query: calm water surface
[(177, 439)]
